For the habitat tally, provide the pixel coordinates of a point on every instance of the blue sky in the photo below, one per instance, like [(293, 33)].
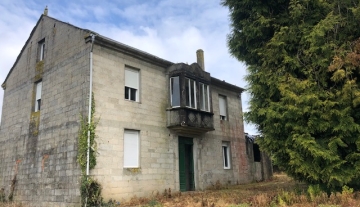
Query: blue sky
[(170, 29)]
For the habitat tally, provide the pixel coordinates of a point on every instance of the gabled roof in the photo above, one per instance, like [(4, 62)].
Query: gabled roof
[(126, 49), (27, 42)]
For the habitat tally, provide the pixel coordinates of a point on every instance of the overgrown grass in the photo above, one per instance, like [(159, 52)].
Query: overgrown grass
[(278, 192), (281, 191)]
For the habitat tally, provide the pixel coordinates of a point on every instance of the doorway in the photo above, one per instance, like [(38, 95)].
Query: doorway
[(186, 164)]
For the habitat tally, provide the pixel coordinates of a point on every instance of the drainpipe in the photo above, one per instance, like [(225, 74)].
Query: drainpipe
[(90, 103)]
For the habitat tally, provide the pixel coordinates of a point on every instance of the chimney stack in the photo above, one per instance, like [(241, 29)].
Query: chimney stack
[(200, 58), (46, 11)]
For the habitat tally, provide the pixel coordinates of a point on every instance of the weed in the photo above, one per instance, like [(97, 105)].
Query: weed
[(314, 191)]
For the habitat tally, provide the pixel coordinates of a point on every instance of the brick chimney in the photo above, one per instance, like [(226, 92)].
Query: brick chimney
[(200, 58)]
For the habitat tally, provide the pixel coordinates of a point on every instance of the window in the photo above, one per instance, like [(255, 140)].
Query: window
[(190, 89), (131, 84), (131, 149), (41, 50), (204, 97), (226, 154), (257, 154), (175, 91), (38, 87), (222, 107)]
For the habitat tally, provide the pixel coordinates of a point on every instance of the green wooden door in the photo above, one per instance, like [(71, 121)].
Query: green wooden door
[(186, 164)]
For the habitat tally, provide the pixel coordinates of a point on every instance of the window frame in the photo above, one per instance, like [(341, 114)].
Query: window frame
[(223, 110), (172, 92), (202, 97), (41, 50), (38, 94), (190, 93), (130, 152), (131, 87), (225, 150)]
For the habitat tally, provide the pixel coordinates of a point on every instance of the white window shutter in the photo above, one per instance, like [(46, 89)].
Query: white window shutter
[(131, 149), (38, 90), (131, 78), (38, 95), (222, 105)]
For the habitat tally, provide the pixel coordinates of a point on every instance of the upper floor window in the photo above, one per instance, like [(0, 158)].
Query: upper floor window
[(175, 91), (190, 90), (41, 50), (204, 97), (222, 107), (38, 88), (131, 84)]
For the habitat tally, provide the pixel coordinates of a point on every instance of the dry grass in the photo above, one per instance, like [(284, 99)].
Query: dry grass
[(278, 192), (10, 205)]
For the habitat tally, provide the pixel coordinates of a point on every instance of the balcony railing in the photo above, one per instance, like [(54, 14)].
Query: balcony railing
[(189, 121)]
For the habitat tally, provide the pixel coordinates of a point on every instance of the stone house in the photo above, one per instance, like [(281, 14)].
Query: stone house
[(160, 125)]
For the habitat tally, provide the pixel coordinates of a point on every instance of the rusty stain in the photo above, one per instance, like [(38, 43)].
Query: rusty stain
[(45, 157), (16, 166)]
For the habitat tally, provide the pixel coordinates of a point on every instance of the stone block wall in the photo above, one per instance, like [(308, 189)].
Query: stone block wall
[(38, 149), (159, 167), (115, 114)]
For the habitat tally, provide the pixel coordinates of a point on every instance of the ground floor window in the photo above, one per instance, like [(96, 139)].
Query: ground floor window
[(131, 149), (226, 154)]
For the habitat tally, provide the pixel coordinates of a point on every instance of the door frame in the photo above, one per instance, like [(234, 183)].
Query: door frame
[(186, 176)]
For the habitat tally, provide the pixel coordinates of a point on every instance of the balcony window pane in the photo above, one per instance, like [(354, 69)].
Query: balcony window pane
[(204, 97), (190, 89), (175, 91)]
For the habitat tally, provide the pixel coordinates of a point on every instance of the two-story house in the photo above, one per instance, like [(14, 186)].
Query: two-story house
[(160, 125)]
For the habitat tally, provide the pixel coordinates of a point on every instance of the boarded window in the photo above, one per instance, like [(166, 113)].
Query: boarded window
[(131, 149)]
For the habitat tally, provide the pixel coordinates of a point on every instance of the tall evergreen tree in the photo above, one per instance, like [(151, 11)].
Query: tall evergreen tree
[(303, 59)]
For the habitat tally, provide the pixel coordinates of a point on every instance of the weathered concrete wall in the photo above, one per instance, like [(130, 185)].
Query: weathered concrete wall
[(231, 130), (116, 114), (260, 170), (38, 150), (159, 168)]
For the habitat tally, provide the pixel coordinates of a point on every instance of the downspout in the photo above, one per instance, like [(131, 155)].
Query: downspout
[(90, 103)]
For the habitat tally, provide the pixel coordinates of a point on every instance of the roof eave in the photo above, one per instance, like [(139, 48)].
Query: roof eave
[(131, 51), (223, 84)]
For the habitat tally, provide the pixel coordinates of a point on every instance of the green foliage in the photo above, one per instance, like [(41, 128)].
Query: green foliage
[(153, 203), (313, 191), (303, 62), (83, 137), (90, 191), (346, 190)]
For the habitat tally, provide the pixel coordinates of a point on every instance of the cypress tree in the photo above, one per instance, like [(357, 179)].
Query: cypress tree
[(303, 59)]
